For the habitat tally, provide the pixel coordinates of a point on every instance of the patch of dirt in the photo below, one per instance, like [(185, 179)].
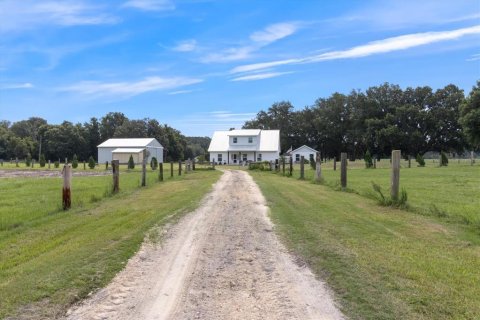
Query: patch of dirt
[(47, 173), (221, 261)]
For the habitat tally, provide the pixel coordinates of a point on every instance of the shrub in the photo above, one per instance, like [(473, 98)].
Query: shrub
[(383, 200), (368, 160), (42, 160), (75, 161), (443, 159), (313, 163), (154, 163), (131, 163), (420, 160), (56, 164), (28, 160), (258, 166), (91, 162)]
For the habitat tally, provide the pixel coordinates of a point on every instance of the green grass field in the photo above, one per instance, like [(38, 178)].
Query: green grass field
[(383, 263), (50, 258), (450, 192)]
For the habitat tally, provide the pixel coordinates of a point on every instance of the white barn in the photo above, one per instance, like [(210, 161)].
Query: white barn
[(304, 151), (121, 149), (246, 145)]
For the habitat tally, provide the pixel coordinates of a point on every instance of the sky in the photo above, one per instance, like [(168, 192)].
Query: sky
[(200, 65)]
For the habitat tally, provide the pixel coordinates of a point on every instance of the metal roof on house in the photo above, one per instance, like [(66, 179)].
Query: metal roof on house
[(269, 140), (128, 150), (127, 142)]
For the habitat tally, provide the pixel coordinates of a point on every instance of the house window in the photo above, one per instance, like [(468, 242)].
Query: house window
[(297, 157), (259, 157), (234, 139), (250, 139), (219, 157)]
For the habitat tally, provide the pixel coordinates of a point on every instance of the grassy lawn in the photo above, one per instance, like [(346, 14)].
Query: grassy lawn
[(52, 258), (449, 192), (382, 263)]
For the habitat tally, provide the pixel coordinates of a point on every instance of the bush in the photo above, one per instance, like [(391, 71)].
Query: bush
[(368, 160), (75, 161), (42, 160), (131, 163), (443, 159), (154, 163), (420, 160), (56, 164), (91, 162), (313, 162), (28, 160)]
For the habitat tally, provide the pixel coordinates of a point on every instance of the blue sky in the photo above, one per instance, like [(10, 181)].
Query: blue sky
[(201, 66)]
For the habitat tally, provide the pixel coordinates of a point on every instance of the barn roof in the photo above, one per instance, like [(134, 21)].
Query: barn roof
[(269, 140), (126, 143), (304, 147)]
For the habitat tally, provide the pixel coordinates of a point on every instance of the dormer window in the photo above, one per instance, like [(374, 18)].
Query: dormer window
[(250, 139), (234, 139)]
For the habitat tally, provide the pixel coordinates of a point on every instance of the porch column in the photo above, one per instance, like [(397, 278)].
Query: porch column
[(228, 157), (254, 156)]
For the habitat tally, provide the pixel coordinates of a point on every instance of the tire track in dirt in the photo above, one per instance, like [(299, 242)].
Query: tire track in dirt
[(222, 261)]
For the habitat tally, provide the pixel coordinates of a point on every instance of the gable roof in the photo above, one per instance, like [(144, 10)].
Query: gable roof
[(269, 140), (127, 142), (303, 147)]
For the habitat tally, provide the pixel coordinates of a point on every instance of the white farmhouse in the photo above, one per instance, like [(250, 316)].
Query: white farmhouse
[(240, 146), (122, 149), (304, 151)]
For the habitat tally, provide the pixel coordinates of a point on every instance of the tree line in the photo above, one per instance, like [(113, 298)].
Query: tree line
[(378, 120), (35, 137)]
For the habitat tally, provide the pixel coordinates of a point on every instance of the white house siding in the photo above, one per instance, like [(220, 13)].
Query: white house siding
[(303, 151), (154, 147)]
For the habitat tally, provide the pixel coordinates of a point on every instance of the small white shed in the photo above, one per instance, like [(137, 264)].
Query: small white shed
[(304, 151), (121, 149)]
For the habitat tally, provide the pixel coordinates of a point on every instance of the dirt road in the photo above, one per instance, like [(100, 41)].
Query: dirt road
[(220, 262)]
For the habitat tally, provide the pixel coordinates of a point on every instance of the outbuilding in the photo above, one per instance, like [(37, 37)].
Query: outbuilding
[(304, 151), (122, 149)]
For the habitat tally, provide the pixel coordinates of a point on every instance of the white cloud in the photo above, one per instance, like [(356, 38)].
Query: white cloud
[(376, 47), (186, 46), (180, 92), (30, 14), (129, 89), (274, 32), (474, 57), (260, 76), (7, 86), (150, 5), (229, 55)]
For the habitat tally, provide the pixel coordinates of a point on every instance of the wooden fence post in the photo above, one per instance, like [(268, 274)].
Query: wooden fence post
[(48, 164), (67, 182), (144, 170), (116, 175), (16, 162), (33, 162), (409, 161), (106, 165), (395, 177), (472, 158), (179, 167), (374, 163), (171, 169), (302, 167), (193, 164), (84, 166), (318, 168), (343, 170), (1, 161), (334, 163), (277, 165), (290, 169), (160, 174), (283, 165)]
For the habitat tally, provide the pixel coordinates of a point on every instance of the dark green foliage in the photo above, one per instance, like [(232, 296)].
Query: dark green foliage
[(28, 160), (313, 163), (56, 164), (262, 166), (420, 160), (91, 162), (443, 159), (131, 163), (470, 117), (42, 161), (368, 160), (75, 161), (154, 163)]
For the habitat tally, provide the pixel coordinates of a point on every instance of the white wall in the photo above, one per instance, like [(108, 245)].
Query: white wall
[(305, 153), (105, 154)]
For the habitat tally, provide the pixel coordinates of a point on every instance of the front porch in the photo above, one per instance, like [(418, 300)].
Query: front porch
[(242, 157)]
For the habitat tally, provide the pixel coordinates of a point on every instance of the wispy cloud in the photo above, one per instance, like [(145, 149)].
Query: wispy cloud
[(376, 47), (185, 46), (9, 86), (129, 89), (259, 39), (150, 5), (260, 76), (30, 14), (173, 93), (474, 57)]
